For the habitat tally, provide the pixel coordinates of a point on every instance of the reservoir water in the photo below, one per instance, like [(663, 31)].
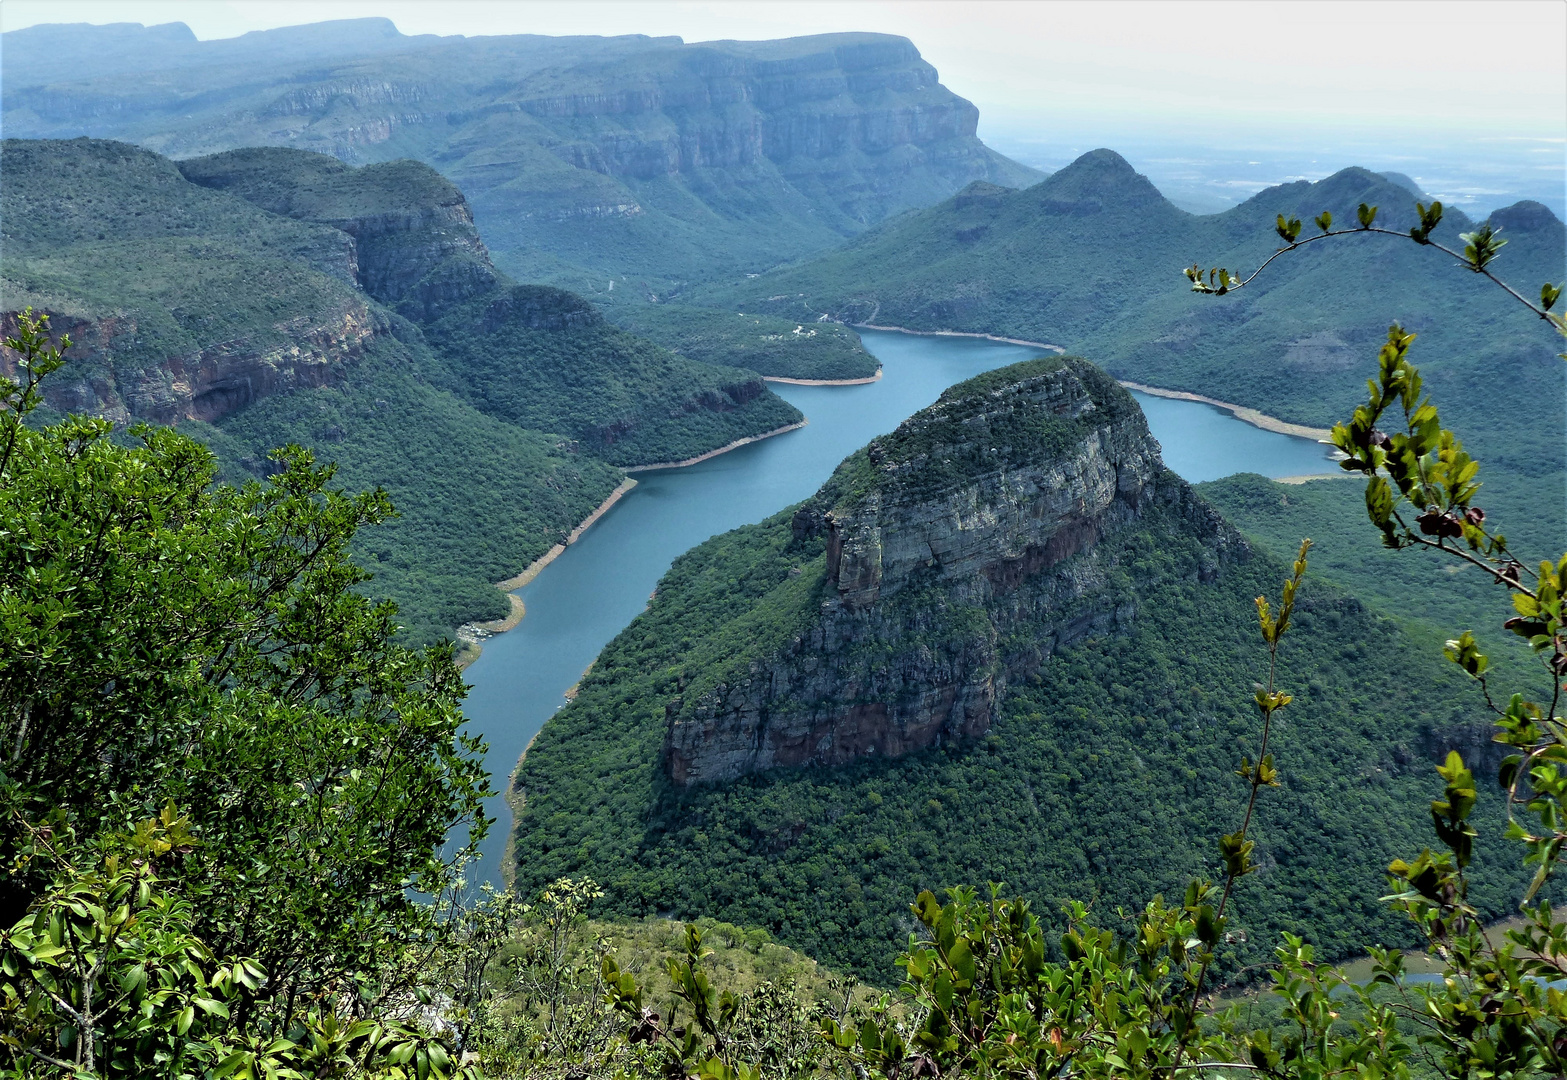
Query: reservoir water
[(599, 584)]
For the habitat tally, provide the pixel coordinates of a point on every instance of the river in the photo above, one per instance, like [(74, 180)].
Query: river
[(599, 584)]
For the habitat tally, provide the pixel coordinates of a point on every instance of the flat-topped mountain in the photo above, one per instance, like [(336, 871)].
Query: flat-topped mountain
[(1000, 505), (1002, 643), (580, 155)]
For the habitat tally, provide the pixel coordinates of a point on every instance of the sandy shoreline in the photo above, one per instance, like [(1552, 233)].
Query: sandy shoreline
[(1308, 477), (960, 333), (721, 450), (823, 382), (571, 538), (1241, 412), (471, 646), (1250, 416)]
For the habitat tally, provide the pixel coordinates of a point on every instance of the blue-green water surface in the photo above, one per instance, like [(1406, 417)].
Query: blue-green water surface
[(599, 584)]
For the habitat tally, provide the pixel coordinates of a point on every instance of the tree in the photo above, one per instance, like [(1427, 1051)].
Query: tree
[(166, 640)]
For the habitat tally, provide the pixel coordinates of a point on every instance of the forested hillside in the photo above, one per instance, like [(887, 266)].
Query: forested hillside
[(1084, 781), (1089, 259), (273, 296)]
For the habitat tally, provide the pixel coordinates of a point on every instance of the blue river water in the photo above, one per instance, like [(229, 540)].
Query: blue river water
[(599, 584)]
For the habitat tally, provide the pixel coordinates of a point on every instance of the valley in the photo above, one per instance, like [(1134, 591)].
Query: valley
[(799, 506), (601, 582), (759, 848)]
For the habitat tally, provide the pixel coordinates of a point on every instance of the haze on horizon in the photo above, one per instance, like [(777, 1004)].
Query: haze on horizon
[(1212, 101)]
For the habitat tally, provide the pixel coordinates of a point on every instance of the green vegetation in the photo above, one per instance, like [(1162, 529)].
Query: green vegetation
[(763, 343), (1083, 259), (115, 235), (196, 297), (1429, 597), (627, 400), (224, 788), (1045, 801), (478, 499), (584, 158)]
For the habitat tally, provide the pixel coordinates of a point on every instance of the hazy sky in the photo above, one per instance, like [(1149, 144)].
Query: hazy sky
[(1497, 66), (1470, 87)]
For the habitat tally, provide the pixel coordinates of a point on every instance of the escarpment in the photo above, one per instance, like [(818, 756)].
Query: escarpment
[(414, 246), (201, 380), (181, 303), (622, 154), (955, 556)]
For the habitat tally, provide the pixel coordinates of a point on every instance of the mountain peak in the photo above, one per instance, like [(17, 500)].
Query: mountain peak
[(992, 518), (1406, 182), (1097, 180), (1525, 216)]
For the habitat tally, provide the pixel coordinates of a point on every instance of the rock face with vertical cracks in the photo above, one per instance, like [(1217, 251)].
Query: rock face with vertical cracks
[(959, 553)]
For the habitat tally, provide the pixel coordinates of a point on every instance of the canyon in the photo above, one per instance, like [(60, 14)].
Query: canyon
[(669, 159)]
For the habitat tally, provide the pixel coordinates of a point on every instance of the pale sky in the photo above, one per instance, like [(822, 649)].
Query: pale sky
[(1430, 68)]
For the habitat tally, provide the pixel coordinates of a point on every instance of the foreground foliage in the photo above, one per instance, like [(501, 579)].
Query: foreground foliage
[(168, 643)]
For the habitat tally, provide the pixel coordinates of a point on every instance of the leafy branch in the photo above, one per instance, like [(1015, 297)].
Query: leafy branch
[(1481, 247)]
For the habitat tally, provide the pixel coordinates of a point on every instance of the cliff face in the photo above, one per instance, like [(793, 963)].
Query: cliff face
[(413, 245), (678, 159), (182, 303), (204, 383), (960, 553), (801, 106)]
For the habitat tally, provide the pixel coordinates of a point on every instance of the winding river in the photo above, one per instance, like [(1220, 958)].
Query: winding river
[(600, 583)]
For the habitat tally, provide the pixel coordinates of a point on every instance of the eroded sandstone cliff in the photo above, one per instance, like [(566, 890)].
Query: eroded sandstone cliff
[(625, 154), (960, 552)]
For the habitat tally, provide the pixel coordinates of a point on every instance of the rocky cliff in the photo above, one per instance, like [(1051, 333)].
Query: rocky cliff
[(193, 290), (413, 245), (627, 154), (959, 553), (183, 304)]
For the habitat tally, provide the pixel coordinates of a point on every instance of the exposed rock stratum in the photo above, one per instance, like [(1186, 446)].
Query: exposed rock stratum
[(960, 552)]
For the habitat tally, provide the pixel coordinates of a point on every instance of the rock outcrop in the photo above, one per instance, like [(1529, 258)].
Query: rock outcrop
[(205, 383), (181, 304), (960, 552), (414, 246)]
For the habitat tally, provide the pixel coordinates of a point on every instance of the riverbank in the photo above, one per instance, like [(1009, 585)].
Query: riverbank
[(959, 333), (1240, 412), (471, 636), (822, 382), (714, 453), (1309, 477)]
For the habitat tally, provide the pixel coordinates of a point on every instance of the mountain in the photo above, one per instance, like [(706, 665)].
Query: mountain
[(267, 296), (939, 541), (1003, 643), (1089, 259), (584, 158)]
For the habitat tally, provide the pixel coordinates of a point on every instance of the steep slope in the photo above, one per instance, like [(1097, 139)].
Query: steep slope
[(185, 304), (1089, 259), (1001, 644), (939, 539), (544, 359), (278, 295), (582, 157)]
